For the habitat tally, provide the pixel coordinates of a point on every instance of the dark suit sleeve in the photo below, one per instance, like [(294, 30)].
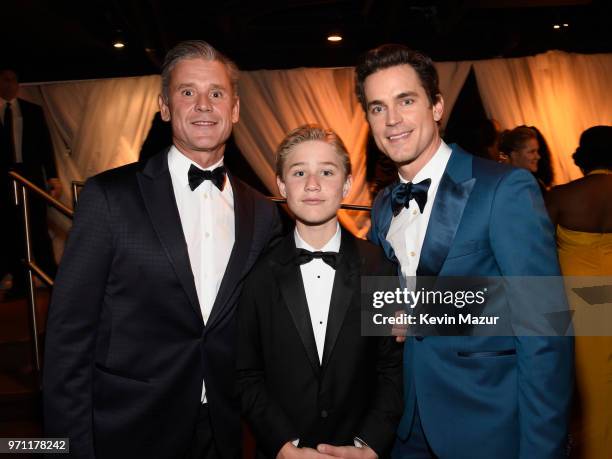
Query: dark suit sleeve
[(72, 325), (271, 426), (519, 225), (373, 233), (379, 425), (276, 231), (46, 147)]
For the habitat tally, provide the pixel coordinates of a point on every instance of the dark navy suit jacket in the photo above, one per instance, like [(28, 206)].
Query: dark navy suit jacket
[(126, 346)]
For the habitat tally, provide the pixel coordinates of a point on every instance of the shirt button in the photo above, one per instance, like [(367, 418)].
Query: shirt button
[(205, 196), (412, 254), (414, 212), (323, 414), (206, 234)]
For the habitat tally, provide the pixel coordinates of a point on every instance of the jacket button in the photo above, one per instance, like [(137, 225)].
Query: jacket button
[(323, 413), (419, 338)]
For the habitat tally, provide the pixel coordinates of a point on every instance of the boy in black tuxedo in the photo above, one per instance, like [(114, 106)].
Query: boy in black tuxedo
[(311, 385)]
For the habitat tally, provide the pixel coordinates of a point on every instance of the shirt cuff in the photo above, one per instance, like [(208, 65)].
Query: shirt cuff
[(359, 443)]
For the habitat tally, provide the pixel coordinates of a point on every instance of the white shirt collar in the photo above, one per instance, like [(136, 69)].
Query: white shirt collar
[(333, 245), (179, 165), (434, 169)]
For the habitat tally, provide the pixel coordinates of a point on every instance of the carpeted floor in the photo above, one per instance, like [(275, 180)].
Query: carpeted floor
[(20, 401)]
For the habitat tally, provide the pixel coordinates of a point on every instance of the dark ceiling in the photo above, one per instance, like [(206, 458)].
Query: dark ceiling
[(68, 39)]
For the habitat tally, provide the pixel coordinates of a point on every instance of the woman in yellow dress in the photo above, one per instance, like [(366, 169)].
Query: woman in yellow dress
[(582, 213)]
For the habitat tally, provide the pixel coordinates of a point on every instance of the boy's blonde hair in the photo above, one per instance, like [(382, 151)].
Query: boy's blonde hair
[(309, 132)]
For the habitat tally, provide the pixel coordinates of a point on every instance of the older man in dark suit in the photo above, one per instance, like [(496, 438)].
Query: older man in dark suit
[(140, 353)]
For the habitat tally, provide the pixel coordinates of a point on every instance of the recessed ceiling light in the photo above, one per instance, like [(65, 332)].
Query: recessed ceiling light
[(334, 37), (556, 26), (119, 44), (566, 25)]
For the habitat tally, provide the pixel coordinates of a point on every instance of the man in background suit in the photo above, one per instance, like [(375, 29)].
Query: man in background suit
[(140, 350), (454, 214), (25, 147)]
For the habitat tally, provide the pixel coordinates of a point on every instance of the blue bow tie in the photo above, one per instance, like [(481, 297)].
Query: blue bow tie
[(402, 193)]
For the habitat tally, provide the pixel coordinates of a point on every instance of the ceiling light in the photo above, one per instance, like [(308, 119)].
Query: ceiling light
[(118, 44), (334, 37), (566, 25), (556, 26)]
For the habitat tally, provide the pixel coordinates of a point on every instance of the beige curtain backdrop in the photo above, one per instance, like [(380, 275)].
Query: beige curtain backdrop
[(272, 102), (95, 125), (562, 94), (99, 124)]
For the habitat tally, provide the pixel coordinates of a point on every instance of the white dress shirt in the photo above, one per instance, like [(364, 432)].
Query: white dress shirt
[(407, 230), (207, 219), (318, 278), (17, 125)]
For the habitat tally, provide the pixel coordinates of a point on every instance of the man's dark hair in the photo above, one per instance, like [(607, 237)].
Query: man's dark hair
[(192, 49), (390, 55)]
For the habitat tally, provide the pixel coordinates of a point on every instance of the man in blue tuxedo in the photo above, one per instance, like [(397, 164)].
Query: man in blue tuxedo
[(453, 214)]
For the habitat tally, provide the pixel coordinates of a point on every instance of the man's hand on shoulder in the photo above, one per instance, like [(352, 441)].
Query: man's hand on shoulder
[(349, 452)]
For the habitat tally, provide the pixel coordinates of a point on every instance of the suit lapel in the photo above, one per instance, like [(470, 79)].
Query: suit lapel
[(289, 278), (345, 281), (452, 196), (384, 217), (158, 195), (243, 234)]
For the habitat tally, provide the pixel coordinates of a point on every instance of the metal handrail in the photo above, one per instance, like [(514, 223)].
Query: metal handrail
[(21, 187), (67, 211)]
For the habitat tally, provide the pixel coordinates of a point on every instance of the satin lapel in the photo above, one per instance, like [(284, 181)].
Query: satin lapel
[(384, 217), (345, 282), (243, 234), (158, 195), (289, 278), (452, 196)]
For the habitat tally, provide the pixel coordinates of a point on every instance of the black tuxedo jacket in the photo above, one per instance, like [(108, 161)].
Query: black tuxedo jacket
[(126, 346), (286, 393), (36, 147)]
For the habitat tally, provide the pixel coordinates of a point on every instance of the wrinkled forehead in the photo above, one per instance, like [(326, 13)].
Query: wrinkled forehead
[(200, 70)]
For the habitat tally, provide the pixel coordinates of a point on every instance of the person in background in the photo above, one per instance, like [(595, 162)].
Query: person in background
[(25, 147), (308, 378), (544, 173), (582, 213)]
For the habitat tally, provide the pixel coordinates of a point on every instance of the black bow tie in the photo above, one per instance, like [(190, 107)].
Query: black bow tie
[(197, 176), (304, 256), (402, 193)]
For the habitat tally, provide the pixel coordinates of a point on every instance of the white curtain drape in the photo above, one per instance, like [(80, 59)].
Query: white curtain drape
[(94, 125), (562, 94), (274, 102), (452, 76), (100, 124)]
